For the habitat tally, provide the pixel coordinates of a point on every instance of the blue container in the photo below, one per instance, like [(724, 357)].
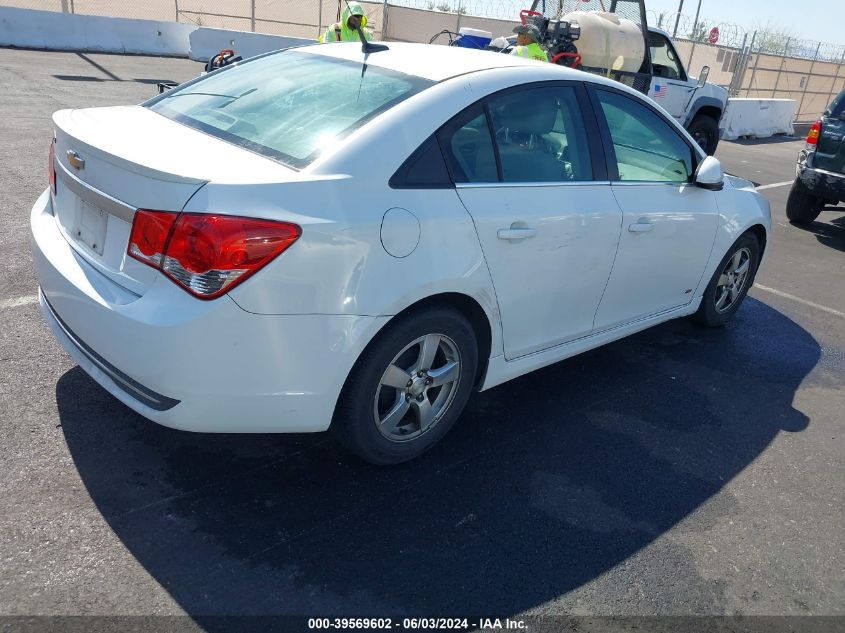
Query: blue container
[(473, 38)]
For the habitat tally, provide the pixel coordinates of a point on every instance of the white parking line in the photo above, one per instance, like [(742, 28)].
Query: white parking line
[(18, 301), (775, 184), (811, 304)]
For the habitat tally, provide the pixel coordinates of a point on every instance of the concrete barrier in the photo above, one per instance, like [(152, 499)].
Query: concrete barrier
[(206, 42), (51, 30), (759, 118)]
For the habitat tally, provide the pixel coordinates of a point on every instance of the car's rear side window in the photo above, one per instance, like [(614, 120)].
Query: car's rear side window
[(837, 107), (468, 147), (288, 106), (529, 134), (424, 169)]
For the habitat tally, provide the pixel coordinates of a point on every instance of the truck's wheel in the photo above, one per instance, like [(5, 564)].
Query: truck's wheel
[(802, 207), (705, 131)]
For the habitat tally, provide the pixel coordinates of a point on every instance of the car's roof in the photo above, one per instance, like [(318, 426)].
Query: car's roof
[(430, 61)]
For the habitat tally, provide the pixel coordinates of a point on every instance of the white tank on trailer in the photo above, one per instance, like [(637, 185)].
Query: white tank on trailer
[(608, 40)]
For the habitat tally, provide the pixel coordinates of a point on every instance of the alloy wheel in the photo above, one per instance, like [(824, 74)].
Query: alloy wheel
[(417, 388), (733, 279)]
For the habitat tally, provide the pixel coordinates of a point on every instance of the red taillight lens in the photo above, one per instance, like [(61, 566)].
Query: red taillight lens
[(813, 135), (149, 235), (51, 168), (207, 254)]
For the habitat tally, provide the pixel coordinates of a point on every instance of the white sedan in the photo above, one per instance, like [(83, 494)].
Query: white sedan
[(311, 239)]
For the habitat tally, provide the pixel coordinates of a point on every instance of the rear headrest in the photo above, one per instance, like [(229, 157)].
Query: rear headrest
[(534, 112)]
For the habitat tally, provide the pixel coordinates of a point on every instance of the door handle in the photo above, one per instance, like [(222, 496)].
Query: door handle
[(641, 226), (515, 234)]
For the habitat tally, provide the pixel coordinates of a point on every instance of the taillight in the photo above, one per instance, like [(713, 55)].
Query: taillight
[(205, 254), (51, 169), (813, 134), (149, 235)]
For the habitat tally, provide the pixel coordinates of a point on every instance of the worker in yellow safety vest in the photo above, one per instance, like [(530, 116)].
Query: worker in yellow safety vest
[(526, 43), (347, 29)]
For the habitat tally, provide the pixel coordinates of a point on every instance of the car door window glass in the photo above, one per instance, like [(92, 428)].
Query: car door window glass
[(664, 59), (540, 135), (468, 148), (646, 146)]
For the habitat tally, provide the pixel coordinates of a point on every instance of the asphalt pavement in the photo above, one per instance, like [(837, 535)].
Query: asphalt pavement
[(680, 471)]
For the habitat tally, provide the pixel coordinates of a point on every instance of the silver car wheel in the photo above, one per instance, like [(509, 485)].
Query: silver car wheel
[(417, 388), (732, 281)]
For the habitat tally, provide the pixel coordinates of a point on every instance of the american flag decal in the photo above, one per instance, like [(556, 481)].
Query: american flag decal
[(660, 90)]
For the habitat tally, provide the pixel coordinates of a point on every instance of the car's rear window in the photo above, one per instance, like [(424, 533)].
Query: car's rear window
[(837, 107), (288, 106)]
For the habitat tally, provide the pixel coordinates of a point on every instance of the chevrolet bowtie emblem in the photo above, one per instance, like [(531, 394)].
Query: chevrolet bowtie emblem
[(75, 160)]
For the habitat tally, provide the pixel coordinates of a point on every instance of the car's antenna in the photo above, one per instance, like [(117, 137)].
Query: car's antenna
[(367, 47)]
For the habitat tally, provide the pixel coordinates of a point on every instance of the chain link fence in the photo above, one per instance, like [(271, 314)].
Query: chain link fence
[(750, 64)]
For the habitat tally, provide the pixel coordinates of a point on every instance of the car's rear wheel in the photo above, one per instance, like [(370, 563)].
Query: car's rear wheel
[(409, 387), (730, 283), (705, 131), (802, 207)]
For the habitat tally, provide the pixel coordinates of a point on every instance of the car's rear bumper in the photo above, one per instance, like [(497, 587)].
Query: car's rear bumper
[(821, 182), (191, 364)]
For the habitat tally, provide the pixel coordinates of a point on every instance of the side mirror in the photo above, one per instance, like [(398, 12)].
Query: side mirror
[(709, 174), (703, 75)]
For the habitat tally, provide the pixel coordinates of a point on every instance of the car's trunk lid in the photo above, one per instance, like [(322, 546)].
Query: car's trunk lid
[(112, 161)]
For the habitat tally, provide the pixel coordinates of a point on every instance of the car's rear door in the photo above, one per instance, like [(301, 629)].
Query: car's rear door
[(531, 173), (669, 224)]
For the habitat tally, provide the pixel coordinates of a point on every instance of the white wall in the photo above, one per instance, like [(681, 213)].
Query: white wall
[(52, 30), (207, 42), (27, 28), (759, 118)]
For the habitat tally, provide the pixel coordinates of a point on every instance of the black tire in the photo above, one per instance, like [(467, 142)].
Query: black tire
[(363, 395), (802, 207), (709, 314), (705, 131)]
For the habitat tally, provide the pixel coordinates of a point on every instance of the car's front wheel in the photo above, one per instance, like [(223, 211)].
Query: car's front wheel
[(802, 207), (730, 283), (409, 387)]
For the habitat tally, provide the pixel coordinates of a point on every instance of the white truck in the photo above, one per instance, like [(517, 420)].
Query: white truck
[(695, 103), (619, 43)]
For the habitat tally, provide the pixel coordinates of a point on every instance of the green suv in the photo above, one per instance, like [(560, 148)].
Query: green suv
[(820, 173)]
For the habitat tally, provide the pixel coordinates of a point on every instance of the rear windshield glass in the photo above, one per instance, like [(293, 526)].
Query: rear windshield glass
[(287, 106), (837, 108)]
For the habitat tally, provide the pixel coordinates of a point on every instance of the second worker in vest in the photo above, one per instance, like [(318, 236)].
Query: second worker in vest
[(526, 43), (346, 30)]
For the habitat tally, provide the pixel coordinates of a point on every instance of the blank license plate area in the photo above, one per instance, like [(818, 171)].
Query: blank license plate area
[(90, 227)]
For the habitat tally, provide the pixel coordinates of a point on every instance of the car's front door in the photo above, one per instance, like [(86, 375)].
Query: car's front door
[(670, 85), (669, 224), (546, 218)]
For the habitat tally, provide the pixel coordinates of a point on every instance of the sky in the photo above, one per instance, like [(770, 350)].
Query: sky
[(822, 20)]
